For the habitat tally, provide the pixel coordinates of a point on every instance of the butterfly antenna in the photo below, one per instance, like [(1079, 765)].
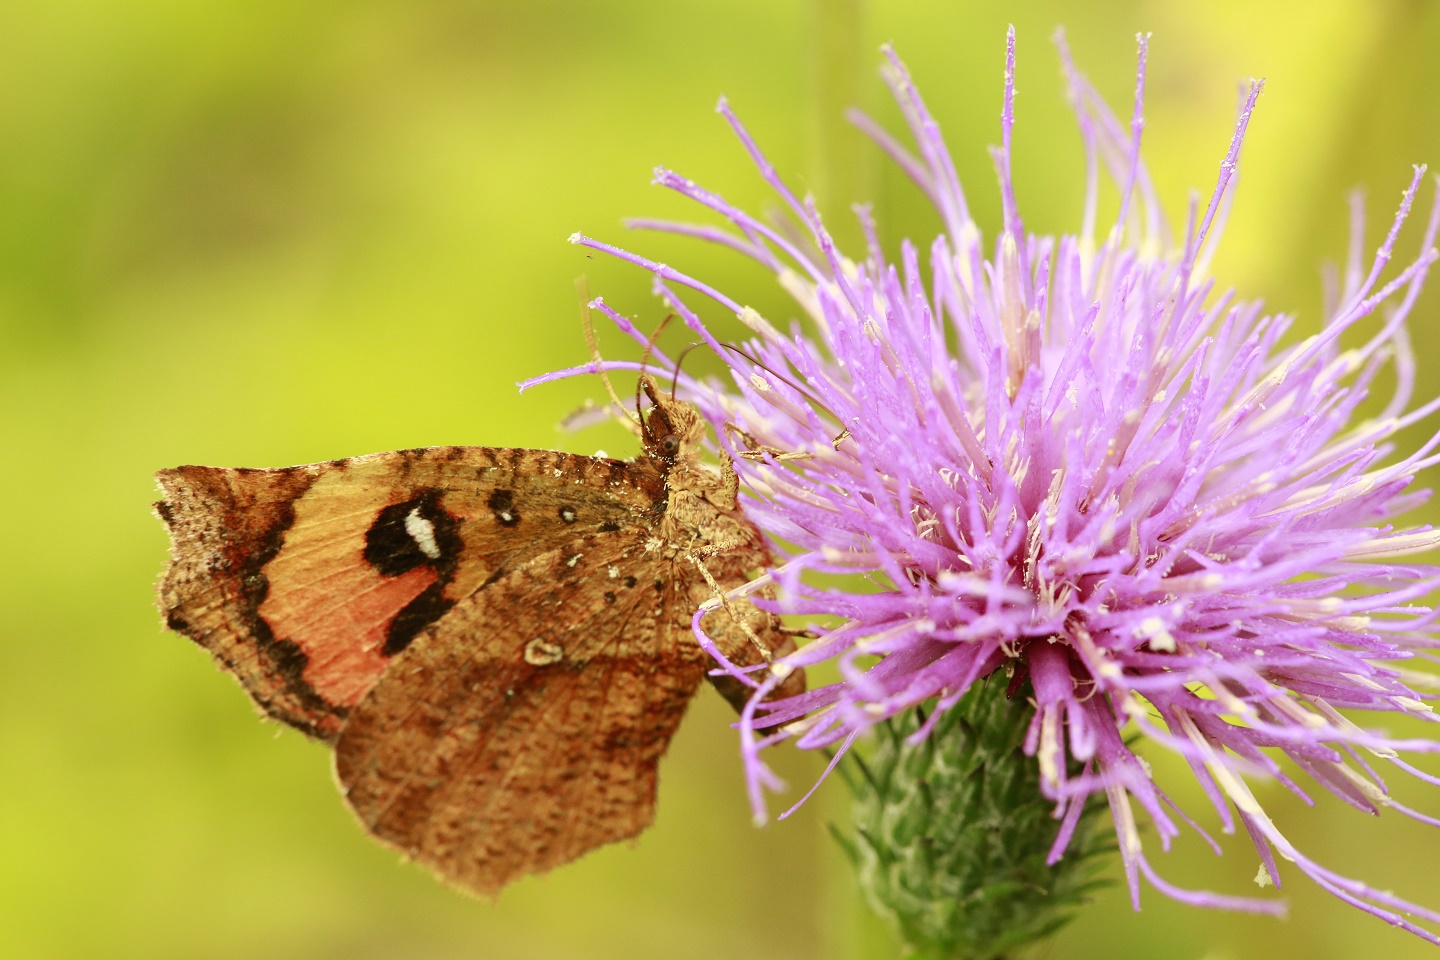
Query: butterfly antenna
[(804, 392), (675, 376), (582, 288), (650, 342), (644, 361), (734, 348), (840, 437)]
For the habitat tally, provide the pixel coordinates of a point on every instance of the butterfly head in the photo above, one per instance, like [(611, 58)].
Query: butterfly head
[(672, 426)]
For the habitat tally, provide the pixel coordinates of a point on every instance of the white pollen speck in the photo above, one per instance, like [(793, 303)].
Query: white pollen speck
[(567, 514), (1155, 630), (507, 516), (574, 560), (601, 454), (422, 531), (559, 472), (614, 572)]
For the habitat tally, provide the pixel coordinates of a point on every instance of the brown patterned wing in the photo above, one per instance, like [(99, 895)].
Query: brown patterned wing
[(304, 582), (524, 728)]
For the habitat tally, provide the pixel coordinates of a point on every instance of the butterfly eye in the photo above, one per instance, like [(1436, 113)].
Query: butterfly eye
[(669, 445)]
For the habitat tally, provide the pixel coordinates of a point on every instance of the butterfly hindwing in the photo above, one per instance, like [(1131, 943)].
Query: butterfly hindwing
[(305, 581), (524, 728)]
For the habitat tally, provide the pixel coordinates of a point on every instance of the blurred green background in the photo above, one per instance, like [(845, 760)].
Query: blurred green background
[(262, 233)]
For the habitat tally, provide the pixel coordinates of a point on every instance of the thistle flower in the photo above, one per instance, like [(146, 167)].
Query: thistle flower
[(1079, 462)]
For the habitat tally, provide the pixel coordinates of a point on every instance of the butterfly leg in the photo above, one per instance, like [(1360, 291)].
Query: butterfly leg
[(755, 450), (737, 640), (697, 558)]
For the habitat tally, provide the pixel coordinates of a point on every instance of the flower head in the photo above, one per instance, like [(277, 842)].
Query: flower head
[(1082, 463)]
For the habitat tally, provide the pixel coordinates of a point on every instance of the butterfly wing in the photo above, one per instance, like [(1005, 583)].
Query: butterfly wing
[(304, 582), (524, 728)]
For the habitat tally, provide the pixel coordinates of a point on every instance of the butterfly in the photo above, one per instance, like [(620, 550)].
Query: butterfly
[(497, 643)]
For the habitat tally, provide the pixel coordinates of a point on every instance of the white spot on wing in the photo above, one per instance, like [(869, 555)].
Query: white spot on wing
[(422, 531), (539, 653)]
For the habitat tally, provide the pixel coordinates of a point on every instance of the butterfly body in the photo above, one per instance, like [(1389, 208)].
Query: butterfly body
[(496, 642)]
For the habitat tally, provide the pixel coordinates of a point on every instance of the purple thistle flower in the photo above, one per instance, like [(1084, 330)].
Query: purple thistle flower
[(1079, 461)]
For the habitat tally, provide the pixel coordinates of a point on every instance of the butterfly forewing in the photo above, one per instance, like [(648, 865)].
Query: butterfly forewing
[(304, 581)]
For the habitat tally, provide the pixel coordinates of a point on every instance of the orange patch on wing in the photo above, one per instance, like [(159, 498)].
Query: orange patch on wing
[(340, 623), (337, 608)]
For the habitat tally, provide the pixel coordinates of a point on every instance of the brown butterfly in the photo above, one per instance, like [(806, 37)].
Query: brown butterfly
[(496, 643)]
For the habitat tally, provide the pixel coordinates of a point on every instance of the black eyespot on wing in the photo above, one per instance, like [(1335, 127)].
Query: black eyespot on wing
[(502, 502), (416, 533)]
